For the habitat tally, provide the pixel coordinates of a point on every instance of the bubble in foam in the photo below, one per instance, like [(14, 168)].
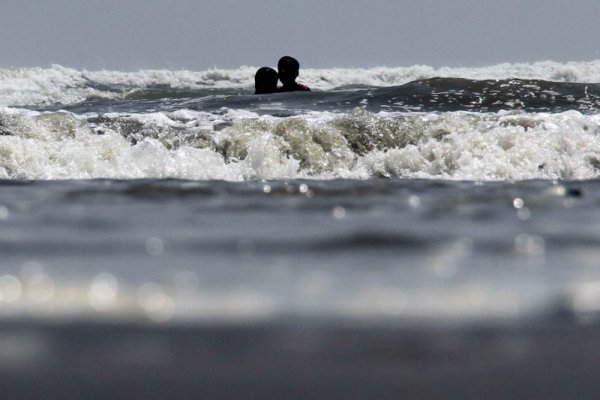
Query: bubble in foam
[(339, 212), (10, 288), (4, 212), (157, 304), (154, 246), (103, 291)]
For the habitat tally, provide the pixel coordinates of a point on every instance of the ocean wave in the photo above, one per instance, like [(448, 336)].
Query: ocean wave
[(241, 145), (60, 85)]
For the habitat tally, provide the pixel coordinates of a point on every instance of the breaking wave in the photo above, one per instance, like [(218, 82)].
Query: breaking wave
[(241, 145)]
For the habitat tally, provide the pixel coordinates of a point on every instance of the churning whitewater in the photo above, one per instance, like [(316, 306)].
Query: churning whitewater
[(506, 122)]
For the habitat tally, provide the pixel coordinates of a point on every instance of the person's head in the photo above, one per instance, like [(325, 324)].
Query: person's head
[(265, 80), (288, 68)]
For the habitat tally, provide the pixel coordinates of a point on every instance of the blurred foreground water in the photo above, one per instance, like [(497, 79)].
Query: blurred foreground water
[(300, 288)]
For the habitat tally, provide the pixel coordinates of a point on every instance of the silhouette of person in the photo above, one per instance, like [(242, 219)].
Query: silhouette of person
[(289, 69), (265, 81)]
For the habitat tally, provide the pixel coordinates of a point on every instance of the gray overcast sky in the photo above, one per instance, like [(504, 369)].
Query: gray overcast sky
[(201, 34)]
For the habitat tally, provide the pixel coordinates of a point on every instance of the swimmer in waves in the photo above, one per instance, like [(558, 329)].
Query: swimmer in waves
[(265, 80), (289, 69)]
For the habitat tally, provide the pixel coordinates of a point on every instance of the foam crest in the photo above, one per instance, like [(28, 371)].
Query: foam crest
[(582, 72), (29, 86)]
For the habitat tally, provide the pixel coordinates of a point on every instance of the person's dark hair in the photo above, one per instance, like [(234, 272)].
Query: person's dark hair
[(289, 69), (265, 80), (287, 63)]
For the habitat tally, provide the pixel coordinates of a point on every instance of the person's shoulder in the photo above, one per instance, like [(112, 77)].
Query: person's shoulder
[(296, 88)]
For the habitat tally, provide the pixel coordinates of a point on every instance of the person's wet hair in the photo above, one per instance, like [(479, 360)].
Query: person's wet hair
[(265, 81), (289, 68)]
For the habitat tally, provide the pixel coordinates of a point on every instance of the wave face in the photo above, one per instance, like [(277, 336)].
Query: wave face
[(505, 122)]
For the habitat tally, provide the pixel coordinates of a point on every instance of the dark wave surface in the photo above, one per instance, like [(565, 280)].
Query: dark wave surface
[(436, 94)]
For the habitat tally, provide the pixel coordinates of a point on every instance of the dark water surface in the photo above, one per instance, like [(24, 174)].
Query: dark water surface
[(301, 288), (435, 94)]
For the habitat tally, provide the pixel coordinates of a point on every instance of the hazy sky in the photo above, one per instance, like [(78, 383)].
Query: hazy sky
[(201, 34)]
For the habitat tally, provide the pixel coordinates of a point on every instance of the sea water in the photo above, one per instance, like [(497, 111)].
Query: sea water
[(388, 218)]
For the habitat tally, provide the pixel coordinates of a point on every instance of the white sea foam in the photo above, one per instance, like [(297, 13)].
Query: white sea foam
[(41, 86), (499, 147), (194, 145)]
